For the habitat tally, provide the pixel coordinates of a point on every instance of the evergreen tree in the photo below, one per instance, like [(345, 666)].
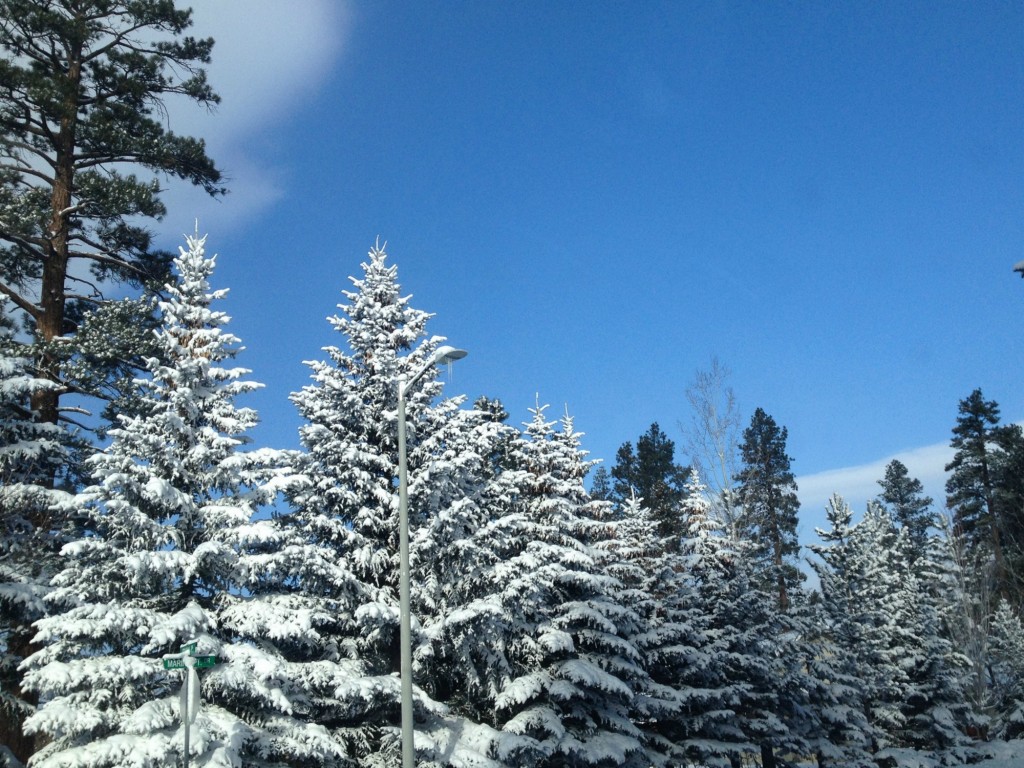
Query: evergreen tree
[(601, 485), (1007, 672), (889, 634), (965, 602), (31, 453), (651, 473), (492, 410), (971, 489), (347, 482), (463, 660), (767, 493), (756, 641), (767, 522), (711, 644), (163, 564), (1009, 496), (79, 85), (846, 620), (910, 508), (647, 581), (461, 540), (569, 671), (80, 81)]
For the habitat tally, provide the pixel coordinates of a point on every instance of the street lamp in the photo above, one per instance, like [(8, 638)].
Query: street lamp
[(441, 356)]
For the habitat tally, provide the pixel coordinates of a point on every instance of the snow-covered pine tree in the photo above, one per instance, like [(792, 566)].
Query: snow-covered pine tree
[(937, 714), (32, 452), (891, 628), (570, 672), (844, 662), (932, 557), (472, 641), (348, 484), (614, 648), (469, 528), (168, 519), (1008, 673), (647, 571), (601, 485), (694, 651)]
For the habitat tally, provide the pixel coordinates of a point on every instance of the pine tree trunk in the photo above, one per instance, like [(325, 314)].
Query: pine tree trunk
[(777, 559), (52, 300), (767, 756), (11, 735), (1000, 575), (45, 402)]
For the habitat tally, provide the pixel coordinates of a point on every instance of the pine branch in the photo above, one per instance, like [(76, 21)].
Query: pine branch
[(27, 170), (31, 245), (103, 256), (20, 301)]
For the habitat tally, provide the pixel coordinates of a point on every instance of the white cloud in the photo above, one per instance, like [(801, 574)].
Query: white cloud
[(268, 57), (858, 485)]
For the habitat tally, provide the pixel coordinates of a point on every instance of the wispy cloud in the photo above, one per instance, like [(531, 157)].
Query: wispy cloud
[(268, 57), (858, 485)]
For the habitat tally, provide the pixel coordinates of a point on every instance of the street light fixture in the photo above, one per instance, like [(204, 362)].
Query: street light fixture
[(442, 355)]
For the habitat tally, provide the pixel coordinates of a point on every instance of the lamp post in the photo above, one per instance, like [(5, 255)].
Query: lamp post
[(441, 356)]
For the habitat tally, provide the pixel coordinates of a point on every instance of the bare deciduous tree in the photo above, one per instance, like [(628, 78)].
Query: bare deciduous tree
[(713, 436)]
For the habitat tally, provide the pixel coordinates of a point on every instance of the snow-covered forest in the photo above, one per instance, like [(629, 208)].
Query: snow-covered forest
[(550, 627), (646, 616)]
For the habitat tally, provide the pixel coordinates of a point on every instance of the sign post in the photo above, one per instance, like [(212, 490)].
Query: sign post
[(188, 661)]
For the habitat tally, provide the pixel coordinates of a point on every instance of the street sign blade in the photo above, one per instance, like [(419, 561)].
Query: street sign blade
[(174, 664), (205, 661)]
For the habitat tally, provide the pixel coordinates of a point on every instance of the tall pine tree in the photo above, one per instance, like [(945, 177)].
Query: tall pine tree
[(82, 90), (767, 494), (910, 508), (972, 492), (650, 472), (347, 482)]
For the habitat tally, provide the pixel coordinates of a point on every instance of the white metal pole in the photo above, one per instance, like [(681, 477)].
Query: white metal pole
[(186, 723), (404, 590), (444, 354), (186, 728)]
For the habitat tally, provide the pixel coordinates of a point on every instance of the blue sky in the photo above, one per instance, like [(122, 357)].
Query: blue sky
[(595, 199)]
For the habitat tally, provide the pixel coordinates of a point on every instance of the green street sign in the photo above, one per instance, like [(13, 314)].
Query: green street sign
[(190, 649), (202, 662)]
